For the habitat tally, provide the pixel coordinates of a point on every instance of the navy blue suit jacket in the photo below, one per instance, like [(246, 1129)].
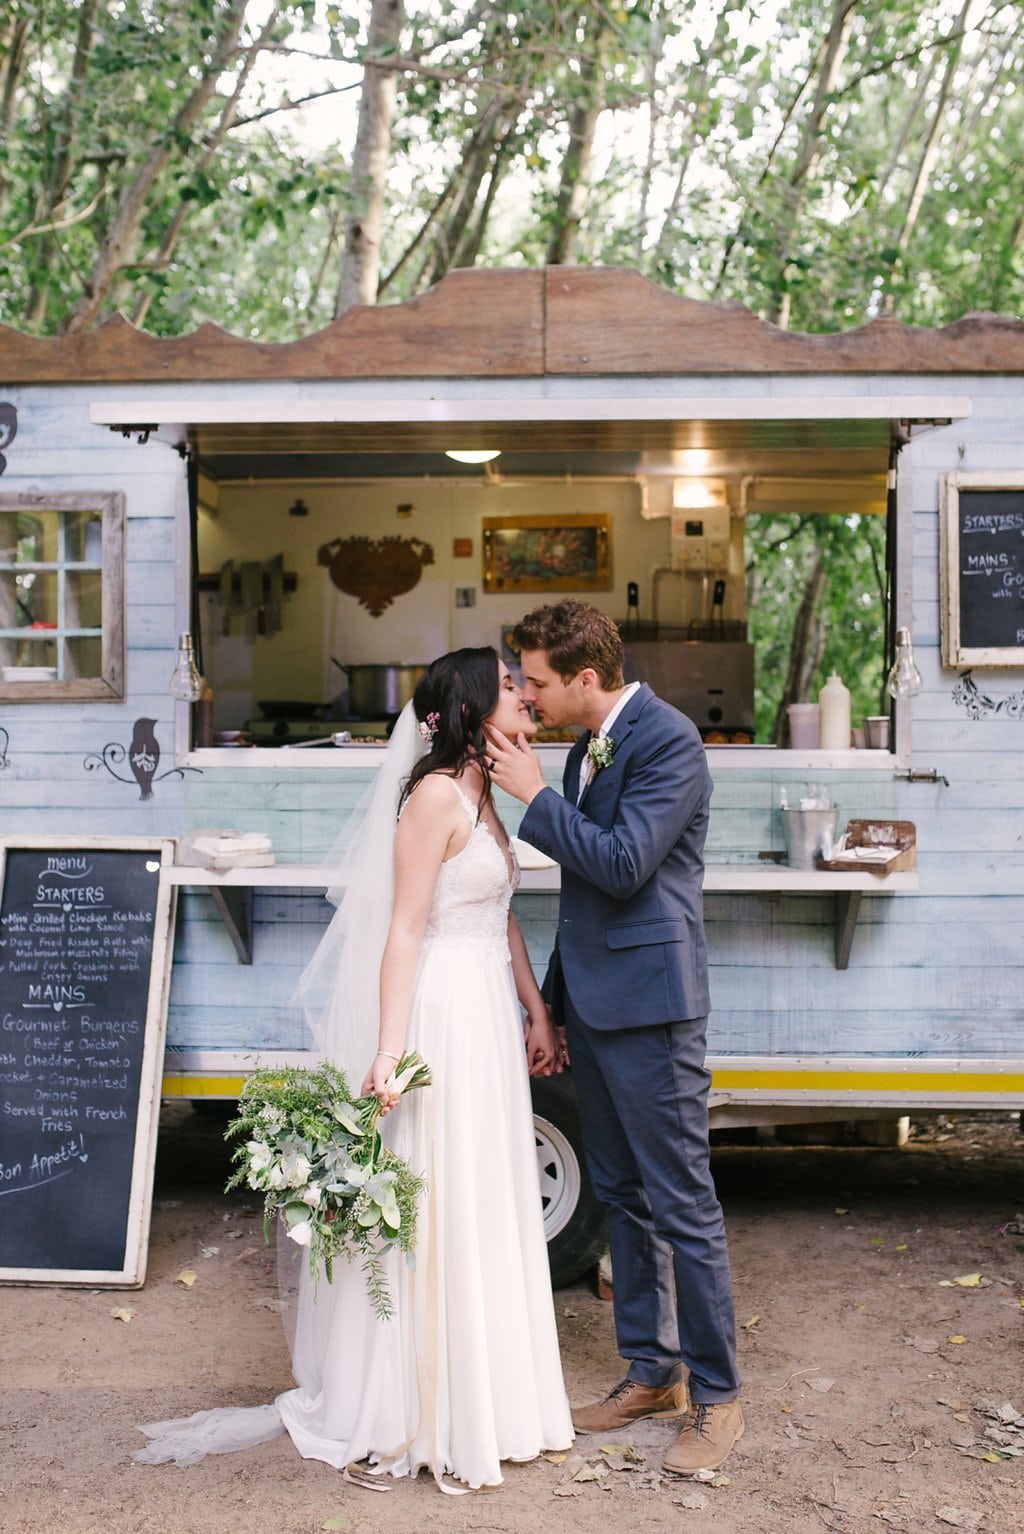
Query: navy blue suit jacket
[(630, 948)]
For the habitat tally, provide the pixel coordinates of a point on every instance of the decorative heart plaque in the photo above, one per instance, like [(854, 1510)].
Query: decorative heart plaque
[(376, 570)]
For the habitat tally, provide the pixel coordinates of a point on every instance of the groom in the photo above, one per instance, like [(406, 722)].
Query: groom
[(628, 980)]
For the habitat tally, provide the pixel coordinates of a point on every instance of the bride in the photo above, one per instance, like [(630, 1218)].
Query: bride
[(424, 954)]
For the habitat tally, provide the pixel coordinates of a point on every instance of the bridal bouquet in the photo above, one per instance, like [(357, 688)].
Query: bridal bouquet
[(315, 1153)]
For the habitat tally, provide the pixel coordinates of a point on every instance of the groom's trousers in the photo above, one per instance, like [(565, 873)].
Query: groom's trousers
[(642, 1097)]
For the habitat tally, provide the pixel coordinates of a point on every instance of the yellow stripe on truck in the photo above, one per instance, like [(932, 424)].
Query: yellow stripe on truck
[(868, 1081)]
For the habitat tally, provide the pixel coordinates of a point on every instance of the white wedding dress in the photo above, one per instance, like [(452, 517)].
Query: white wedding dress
[(467, 1371)]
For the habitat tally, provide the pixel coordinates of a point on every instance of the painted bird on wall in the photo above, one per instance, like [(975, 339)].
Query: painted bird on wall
[(8, 430), (144, 755)]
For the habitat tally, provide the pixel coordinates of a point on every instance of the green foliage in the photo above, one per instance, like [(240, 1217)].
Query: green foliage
[(708, 172), (316, 1154), (780, 554)]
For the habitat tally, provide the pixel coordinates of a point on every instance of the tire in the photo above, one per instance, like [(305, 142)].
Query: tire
[(573, 1219)]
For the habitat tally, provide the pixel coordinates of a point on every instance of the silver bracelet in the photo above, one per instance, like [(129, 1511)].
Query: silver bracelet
[(388, 1055)]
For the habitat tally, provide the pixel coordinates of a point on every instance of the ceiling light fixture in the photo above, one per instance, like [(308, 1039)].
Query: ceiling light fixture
[(472, 454)]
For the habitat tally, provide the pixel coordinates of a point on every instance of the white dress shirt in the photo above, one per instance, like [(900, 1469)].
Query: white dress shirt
[(587, 766)]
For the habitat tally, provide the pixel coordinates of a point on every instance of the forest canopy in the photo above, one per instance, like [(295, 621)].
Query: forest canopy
[(262, 164), (266, 164)]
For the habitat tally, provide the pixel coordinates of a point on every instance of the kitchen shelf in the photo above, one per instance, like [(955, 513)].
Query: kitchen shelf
[(232, 890)]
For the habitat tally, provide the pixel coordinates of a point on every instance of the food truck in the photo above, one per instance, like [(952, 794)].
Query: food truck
[(286, 521)]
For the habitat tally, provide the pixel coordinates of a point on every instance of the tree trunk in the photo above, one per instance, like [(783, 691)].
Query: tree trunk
[(15, 42), (122, 237), (654, 52), (360, 261), (807, 157), (929, 151), (478, 160), (807, 645), (469, 245), (223, 128), (574, 188), (63, 160)]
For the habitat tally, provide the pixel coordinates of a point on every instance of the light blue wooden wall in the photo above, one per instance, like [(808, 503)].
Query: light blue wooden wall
[(939, 973)]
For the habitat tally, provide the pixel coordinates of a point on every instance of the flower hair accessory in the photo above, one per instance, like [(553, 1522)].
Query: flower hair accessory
[(428, 727), (600, 751)]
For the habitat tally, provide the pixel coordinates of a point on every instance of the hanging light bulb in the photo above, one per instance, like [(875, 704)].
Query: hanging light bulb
[(904, 678), (186, 683)]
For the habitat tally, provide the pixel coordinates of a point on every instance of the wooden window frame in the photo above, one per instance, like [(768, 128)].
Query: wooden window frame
[(109, 686)]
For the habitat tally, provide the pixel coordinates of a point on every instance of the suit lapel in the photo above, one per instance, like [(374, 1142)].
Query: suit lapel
[(619, 732), (571, 771)]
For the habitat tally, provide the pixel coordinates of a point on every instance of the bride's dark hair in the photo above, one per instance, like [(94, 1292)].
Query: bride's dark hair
[(456, 693)]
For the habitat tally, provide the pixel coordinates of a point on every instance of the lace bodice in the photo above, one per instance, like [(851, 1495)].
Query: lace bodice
[(473, 890)]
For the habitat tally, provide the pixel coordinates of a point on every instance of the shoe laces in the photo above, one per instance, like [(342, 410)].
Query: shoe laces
[(702, 1418), (622, 1388)]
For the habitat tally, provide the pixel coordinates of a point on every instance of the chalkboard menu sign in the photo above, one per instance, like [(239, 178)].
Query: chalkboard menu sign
[(983, 570), (85, 943)]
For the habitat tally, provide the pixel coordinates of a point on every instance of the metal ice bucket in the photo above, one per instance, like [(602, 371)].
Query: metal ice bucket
[(809, 834)]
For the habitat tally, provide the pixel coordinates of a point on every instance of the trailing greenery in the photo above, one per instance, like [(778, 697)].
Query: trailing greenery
[(315, 1153)]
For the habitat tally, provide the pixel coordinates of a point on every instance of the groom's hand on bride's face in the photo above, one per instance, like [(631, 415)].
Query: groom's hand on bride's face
[(514, 767)]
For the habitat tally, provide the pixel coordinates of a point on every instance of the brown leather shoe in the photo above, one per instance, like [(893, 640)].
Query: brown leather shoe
[(630, 1402), (709, 1434)]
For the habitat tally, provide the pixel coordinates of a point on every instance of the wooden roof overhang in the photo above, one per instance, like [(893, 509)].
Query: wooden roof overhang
[(555, 322)]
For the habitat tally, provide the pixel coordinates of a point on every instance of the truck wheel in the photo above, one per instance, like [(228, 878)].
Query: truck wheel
[(573, 1219)]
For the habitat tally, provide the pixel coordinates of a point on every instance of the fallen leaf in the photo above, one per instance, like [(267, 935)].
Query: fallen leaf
[(752, 1322), (902, 1248), (821, 1384), (567, 1489), (965, 1281), (122, 1315), (720, 1480), (210, 1251), (187, 1277), (623, 1452), (555, 1459), (877, 1240), (333, 1523), (591, 1473), (956, 1339), (840, 1211), (693, 1501), (958, 1517), (922, 1344), (703, 1475)]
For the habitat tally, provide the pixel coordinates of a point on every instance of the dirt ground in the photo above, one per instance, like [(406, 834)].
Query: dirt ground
[(879, 1392)]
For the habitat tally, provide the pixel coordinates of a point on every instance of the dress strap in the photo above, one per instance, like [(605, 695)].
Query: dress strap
[(466, 802)]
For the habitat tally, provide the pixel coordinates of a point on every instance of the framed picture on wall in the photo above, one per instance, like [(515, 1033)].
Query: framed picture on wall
[(550, 554)]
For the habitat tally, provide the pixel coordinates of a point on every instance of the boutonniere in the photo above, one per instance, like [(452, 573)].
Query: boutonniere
[(600, 751)]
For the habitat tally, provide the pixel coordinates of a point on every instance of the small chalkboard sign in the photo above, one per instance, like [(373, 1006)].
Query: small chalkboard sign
[(85, 950), (983, 570)]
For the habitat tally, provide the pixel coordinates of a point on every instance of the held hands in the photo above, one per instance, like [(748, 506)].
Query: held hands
[(377, 1082), (514, 767), (545, 1049)]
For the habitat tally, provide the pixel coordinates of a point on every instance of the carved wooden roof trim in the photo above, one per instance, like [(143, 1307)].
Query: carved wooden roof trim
[(560, 321)]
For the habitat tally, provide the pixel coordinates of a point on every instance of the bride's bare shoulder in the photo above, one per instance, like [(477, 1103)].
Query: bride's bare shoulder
[(432, 793)]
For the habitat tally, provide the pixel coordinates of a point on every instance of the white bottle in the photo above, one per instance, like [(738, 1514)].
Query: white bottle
[(834, 702)]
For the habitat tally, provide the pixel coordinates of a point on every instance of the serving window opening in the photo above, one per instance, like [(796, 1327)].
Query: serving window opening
[(335, 560)]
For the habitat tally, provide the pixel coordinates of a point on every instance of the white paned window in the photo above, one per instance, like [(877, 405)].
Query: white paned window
[(61, 597)]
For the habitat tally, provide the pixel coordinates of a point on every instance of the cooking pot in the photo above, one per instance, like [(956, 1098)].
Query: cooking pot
[(377, 690)]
